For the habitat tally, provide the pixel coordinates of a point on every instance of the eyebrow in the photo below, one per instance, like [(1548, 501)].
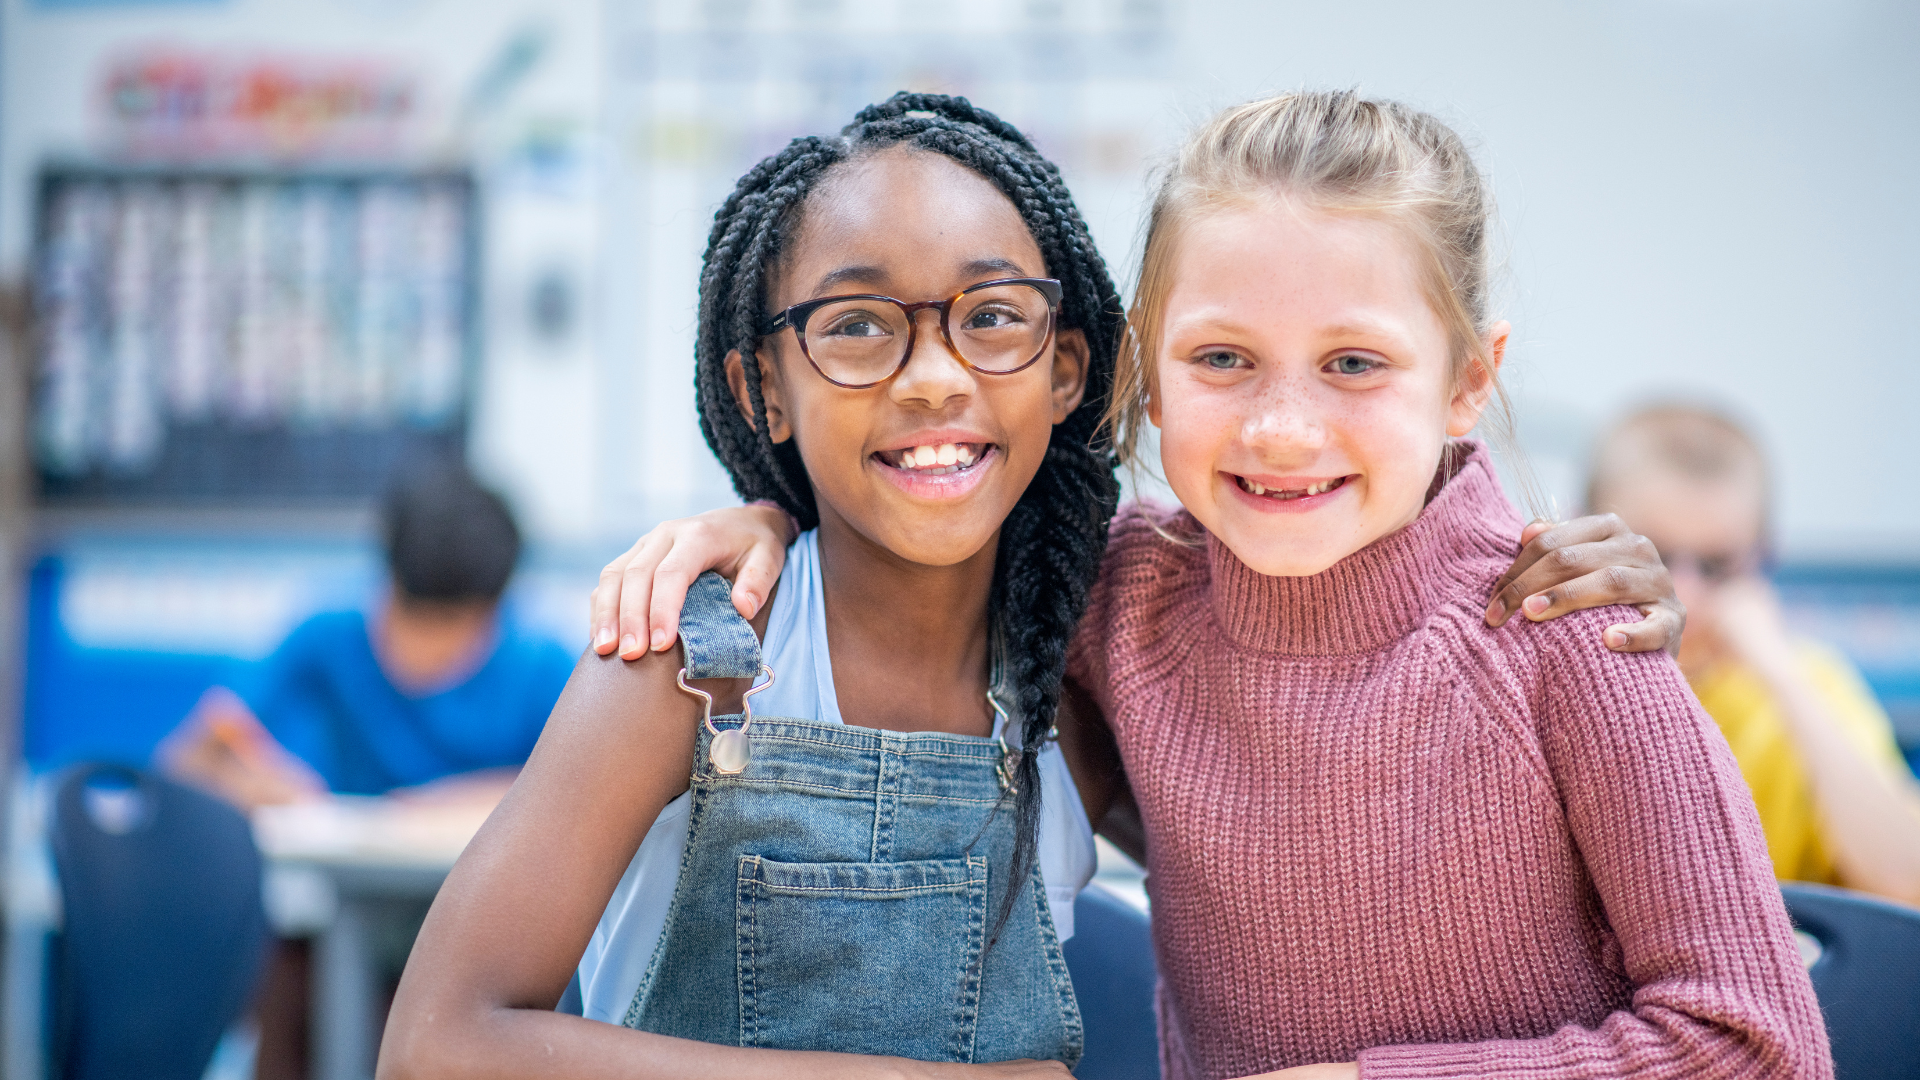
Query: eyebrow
[(1365, 328), (873, 276), (863, 275), (994, 267)]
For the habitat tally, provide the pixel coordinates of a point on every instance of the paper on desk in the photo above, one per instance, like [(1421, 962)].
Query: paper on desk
[(368, 829)]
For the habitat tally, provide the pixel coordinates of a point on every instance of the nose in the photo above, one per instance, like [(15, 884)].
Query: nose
[(933, 375), (1283, 423)]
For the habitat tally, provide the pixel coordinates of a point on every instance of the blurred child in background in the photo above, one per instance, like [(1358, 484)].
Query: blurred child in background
[(429, 685), (1836, 800), (430, 692)]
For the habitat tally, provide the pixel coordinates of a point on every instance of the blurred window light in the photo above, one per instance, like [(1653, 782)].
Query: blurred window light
[(209, 603)]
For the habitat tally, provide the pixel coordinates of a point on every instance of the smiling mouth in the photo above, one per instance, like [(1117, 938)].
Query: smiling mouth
[(1289, 494), (938, 459)]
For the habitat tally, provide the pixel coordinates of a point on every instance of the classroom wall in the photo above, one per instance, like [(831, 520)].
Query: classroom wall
[(1699, 196)]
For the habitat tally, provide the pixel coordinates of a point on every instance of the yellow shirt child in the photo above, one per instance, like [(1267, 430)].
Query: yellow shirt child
[(1740, 703)]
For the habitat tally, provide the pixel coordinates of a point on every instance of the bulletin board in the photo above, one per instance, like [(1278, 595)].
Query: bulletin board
[(235, 337)]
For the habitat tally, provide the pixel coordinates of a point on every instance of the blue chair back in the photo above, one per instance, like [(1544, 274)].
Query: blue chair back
[(1867, 977), (1111, 959), (164, 933)]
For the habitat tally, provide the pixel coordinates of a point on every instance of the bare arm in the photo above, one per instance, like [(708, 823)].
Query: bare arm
[(1870, 815), (509, 926), (1592, 562)]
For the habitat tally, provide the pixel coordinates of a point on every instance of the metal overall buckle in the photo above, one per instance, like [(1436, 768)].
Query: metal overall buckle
[(1009, 757), (730, 752)]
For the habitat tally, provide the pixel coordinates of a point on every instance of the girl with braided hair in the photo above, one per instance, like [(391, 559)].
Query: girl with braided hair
[(906, 340)]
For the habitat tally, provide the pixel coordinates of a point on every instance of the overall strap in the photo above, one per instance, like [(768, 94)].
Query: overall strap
[(719, 644)]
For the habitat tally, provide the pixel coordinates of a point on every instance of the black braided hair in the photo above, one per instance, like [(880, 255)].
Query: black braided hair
[(1050, 545)]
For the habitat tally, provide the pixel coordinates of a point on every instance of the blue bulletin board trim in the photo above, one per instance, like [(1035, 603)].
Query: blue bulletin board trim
[(96, 704)]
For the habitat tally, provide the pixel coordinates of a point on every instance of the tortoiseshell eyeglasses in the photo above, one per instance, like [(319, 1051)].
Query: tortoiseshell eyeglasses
[(995, 328)]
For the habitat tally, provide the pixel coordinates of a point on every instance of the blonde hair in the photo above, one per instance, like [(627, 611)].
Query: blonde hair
[(1336, 152), (1696, 443)]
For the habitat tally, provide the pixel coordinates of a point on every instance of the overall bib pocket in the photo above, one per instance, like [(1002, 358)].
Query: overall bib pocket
[(865, 958)]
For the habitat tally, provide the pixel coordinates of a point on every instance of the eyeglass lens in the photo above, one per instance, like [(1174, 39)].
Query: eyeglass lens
[(996, 329)]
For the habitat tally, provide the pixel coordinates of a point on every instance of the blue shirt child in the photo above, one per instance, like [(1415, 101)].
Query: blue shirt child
[(324, 696)]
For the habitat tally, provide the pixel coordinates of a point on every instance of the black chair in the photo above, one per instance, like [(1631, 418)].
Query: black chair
[(163, 933), (1111, 959), (1867, 976)]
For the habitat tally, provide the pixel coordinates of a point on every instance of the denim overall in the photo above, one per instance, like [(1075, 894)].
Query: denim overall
[(839, 893)]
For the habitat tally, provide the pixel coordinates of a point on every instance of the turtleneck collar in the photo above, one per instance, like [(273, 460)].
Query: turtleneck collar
[(1382, 592)]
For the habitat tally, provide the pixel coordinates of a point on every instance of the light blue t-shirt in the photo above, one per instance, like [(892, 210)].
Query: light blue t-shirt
[(795, 648)]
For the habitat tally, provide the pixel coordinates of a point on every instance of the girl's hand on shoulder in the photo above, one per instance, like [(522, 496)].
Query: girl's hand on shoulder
[(637, 602), (1592, 562)]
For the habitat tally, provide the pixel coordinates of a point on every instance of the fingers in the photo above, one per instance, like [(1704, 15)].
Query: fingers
[(1660, 629), (603, 611), (698, 547), (637, 603), (669, 594), (754, 581), (636, 592), (1570, 550), (1498, 608), (1604, 585)]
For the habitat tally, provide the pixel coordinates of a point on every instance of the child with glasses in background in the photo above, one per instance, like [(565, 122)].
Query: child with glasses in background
[(1835, 798)]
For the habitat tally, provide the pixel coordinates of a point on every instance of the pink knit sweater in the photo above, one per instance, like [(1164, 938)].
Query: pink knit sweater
[(1378, 829)]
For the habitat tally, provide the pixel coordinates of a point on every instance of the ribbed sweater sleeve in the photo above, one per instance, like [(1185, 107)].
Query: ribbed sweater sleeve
[(1670, 839)]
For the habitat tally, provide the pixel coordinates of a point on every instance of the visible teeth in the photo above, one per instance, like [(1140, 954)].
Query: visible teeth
[(1320, 488), (935, 460)]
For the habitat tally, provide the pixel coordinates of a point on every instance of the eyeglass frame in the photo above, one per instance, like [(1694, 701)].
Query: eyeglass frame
[(795, 317)]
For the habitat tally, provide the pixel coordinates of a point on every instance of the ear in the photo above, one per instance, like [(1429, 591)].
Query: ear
[(772, 393), (1470, 398), (1070, 359)]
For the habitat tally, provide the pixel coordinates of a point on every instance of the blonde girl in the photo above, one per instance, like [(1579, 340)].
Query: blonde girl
[(1381, 835)]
